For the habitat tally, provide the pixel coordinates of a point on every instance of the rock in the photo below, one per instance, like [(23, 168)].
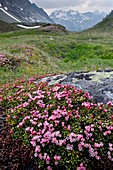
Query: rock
[(98, 83)]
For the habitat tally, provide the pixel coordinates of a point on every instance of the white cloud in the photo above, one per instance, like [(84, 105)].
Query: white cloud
[(81, 5), (57, 3)]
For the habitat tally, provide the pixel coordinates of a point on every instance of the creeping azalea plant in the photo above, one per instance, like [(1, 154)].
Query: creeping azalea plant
[(61, 123)]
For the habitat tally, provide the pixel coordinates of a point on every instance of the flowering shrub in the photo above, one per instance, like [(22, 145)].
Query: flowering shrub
[(62, 124), (14, 155), (9, 61)]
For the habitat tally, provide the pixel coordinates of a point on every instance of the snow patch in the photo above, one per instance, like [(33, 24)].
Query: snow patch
[(31, 19), (0, 5), (72, 12), (26, 27), (6, 8), (27, 19), (62, 14), (10, 15), (21, 9)]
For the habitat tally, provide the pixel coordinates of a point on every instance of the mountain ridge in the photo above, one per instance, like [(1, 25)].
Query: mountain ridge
[(76, 21), (22, 11)]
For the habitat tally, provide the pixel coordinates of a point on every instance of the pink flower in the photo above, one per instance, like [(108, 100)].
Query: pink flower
[(98, 145), (100, 128), (47, 159), (35, 155), (39, 125), (28, 129), (20, 125), (30, 96), (25, 104), (37, 148), (40, 156), (33, 122), (69, 147), (81, 167), (49, 168), (10, 98), (98, 157), (79, 137), (37, 137), (34, 132), (110, 103), (56, 162), (69, 127), (80, 147), (63, 123), (57, 158), (27, 118), (33, 143), (86, 105), (45, 156), (54, 140), (111, 147)]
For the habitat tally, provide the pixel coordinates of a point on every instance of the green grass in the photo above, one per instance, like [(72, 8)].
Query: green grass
[(7, 27), (53, 52)]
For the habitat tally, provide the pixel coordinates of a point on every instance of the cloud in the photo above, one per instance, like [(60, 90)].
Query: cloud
[(80, 5), (101, 3), (47, 4)]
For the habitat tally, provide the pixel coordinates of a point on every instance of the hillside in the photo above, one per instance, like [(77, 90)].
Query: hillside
[(46, 27), (7, 27), (106, 25)]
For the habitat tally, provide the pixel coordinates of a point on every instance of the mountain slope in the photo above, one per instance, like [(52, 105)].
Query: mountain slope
[(22, 11), (7, 27), (76, 21), (106, 25)]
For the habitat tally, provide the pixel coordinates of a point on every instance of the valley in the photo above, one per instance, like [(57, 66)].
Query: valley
[(56, 92), (41, 51)]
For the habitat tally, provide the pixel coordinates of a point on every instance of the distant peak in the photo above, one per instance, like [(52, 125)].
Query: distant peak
[(73, 12), (96, 11), (74, 20), (58, 11)]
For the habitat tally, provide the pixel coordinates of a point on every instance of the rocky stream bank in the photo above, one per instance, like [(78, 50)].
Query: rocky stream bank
[(98, 83)]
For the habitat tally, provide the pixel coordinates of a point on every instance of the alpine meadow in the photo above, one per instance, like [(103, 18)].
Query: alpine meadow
[(56, 94)]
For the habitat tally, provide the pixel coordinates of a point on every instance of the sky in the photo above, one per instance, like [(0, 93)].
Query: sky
[(80, 5)]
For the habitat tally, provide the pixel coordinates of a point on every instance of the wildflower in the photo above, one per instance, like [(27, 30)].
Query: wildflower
[(25, 104), (57, 158), (27, 129), (69, 127), (110, 103), (69, 147), (37, 148), (20, 125), (81, 167), (49, 168), (33, 143), (40, 156)]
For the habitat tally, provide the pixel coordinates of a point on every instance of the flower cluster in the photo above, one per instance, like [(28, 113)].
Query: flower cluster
[(61, 123), (4, 60), (11, 61)]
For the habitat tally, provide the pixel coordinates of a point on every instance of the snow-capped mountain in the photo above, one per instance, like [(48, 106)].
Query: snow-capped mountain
[(12, 11), (76, 21), (110, 15)]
